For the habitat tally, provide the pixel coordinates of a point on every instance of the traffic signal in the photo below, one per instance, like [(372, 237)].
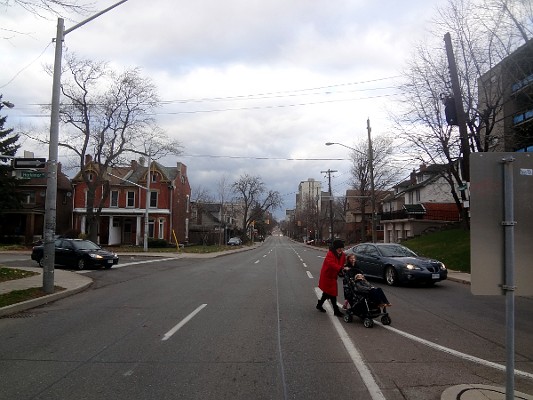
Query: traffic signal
[(450, 111)]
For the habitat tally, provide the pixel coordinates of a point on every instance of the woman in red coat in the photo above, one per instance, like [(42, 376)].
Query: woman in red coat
[(333, 263)]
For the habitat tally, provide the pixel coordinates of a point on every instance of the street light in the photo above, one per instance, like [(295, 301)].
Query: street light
[(370, 156), (51, 180)]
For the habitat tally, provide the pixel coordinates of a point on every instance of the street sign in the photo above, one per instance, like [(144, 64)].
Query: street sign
[(25, 163), (31, 174)]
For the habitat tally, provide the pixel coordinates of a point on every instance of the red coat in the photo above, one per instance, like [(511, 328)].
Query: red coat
[(330, 272)]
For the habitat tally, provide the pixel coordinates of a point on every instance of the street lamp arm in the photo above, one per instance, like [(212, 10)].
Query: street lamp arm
[(348, 147)]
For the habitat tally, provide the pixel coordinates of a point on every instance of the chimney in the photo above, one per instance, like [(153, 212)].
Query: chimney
[(88, 159), (412, 178), (134, 164)]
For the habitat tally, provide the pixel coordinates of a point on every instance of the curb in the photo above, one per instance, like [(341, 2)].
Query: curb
[(26, 305)]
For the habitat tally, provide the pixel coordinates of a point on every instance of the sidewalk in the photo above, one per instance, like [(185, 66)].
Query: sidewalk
[(73, 283)]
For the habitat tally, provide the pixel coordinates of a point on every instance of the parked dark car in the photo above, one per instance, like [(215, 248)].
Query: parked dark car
[(397, 264), (77, 253)]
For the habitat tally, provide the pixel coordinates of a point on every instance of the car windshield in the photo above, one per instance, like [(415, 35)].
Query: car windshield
[(396, 251), (85, 245)]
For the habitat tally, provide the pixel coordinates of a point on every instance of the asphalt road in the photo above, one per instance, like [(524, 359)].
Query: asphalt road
[(244, 326)]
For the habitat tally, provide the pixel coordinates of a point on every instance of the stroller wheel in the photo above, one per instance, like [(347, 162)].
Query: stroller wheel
[(348, 318), (368, 323), (385, 320)]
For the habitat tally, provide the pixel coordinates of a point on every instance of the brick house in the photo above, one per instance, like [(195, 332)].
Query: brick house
[(122, 217)]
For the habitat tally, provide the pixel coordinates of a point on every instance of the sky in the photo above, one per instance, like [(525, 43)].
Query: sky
[(251, 87)]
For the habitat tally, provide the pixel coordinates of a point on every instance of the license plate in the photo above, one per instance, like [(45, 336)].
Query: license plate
[(435, 276), (110, 261)]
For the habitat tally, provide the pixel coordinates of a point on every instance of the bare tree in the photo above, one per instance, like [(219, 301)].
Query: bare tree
[(108, 116), (484, 32), (255, 199), (54, 6)]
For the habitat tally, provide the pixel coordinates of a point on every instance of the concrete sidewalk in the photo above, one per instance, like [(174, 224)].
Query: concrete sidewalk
[(74, 282)]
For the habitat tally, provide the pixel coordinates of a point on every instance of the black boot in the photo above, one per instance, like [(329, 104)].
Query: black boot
[(336, 311), (319, 306)]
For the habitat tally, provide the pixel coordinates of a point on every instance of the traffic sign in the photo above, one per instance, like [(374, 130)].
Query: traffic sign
[(25, 163), (31, 174)]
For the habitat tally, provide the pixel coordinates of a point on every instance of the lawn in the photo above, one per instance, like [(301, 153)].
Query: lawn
[(452, 247)]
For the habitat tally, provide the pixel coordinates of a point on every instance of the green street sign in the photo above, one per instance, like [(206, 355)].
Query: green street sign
[(31, 174)]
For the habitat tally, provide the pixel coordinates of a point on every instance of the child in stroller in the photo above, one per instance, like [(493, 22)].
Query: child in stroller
[(364, 300)]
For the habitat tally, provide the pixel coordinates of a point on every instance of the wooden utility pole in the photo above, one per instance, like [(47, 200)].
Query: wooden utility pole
[(329, 172), (461, 117)]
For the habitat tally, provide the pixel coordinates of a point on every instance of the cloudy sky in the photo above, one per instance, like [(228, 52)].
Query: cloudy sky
[(248, 86)]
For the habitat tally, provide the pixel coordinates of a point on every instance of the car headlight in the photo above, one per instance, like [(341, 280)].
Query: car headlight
[(412, 267), (442, 266), (97, 256)]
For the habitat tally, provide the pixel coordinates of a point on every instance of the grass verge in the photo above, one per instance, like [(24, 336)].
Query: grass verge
[(452, 247), (18, 296), (9, 274)]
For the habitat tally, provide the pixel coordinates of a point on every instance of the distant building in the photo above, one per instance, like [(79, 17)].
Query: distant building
[(510, 84)]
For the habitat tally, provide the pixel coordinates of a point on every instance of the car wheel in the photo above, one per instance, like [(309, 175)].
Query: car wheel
[(81, 264), (40, 262), (391, 276), (368, 323)]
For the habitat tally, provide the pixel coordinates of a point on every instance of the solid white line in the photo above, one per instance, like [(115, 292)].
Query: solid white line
[(357, 359), (457, 353), (309, 275), (183, 322)]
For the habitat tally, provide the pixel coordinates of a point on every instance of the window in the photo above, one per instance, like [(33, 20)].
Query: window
[(188, 203), (130, 199), (151, 228), (154, 177), (161, 228), (153, 199), (114, 198)]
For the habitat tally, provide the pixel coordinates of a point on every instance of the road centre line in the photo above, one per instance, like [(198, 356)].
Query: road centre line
[(357, 359), (257, 262), (305, 265), (182, 323), (309, 274)]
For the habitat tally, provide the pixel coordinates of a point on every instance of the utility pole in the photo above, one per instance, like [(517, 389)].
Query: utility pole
[(329, 172), (51, 179), (461, 117), (372, 185)]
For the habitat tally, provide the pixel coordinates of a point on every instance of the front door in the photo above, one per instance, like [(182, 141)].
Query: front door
[(126, 232)]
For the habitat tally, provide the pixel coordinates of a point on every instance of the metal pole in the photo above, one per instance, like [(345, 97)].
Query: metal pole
[(372, 188), (51, 180), (509, 285)]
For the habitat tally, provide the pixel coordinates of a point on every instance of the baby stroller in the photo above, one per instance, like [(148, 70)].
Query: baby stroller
[(361, 306)]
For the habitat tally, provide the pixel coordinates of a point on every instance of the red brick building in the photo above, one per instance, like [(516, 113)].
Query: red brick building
[(122, 218)]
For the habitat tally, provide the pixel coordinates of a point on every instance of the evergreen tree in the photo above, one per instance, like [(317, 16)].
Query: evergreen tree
[(9, 198)]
